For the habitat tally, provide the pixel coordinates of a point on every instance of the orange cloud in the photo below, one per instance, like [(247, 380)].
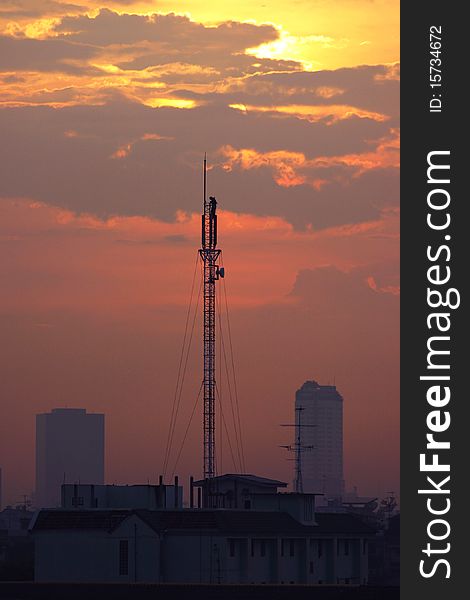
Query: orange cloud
[(330, 113), (389, 289), (124, 150), (72, 56), (392, 73), (110, 265), (324, 44), (292, 168), (327, 91)]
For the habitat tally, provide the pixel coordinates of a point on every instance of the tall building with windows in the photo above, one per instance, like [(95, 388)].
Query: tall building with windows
[(319, 425), (69, 449)]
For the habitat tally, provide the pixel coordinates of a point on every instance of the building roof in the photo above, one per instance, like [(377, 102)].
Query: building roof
[(314, 386), (244, 477), (229, 521), (232, 522), (268, 522), (341, 522), (79, 519)]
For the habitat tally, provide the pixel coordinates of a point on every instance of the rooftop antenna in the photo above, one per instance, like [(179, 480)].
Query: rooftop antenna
[(298, 448), (209, 254)]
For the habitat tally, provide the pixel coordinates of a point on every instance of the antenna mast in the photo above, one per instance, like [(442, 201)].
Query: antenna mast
[(298, 448), (209, 254)]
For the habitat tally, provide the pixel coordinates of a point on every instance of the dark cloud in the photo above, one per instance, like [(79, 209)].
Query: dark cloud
[(354, 295), (13, 79), (155, 177), (42, 55), (187, 56), (367, 87), (177, 239), (219, 65), (345, 201), (167, 239), (142, 42), (188, 50), (18, 9), (175, 32)]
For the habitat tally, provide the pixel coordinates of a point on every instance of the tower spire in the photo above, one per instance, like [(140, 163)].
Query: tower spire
[(212, 272), (205, 178)]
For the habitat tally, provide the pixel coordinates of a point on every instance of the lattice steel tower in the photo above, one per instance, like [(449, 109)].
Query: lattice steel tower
[(212, 272)]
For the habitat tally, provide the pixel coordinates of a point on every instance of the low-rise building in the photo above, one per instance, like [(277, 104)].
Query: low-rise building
[(199, 546), (16, 546), (384, 554)]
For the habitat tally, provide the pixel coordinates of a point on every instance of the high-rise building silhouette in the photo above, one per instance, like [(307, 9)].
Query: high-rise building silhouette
[(321, 415), (69, 449)]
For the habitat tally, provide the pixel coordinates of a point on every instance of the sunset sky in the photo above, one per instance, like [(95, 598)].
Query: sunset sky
[(107, 108)]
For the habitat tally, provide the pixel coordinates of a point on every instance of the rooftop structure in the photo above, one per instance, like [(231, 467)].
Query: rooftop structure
[(234, 490), (151, 497)]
